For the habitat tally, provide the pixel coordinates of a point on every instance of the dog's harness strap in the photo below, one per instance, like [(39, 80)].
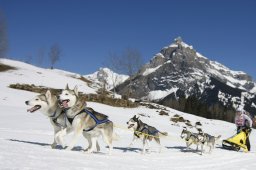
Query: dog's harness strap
[(151, 133), (97, 121), (54, 114), (70, 120), (54, 119)]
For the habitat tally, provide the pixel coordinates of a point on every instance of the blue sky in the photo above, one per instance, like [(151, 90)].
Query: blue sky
[(88, 30)]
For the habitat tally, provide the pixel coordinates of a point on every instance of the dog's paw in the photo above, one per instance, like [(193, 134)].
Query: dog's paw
[(54, 145), (89, 151)]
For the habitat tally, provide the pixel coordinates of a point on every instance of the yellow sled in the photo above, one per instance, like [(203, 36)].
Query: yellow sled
[(237, 141)]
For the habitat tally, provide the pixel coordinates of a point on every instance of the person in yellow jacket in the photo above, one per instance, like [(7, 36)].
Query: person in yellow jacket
[(243, 122)]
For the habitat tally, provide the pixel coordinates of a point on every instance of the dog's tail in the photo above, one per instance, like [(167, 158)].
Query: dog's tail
[(218, 137), (163, 133)]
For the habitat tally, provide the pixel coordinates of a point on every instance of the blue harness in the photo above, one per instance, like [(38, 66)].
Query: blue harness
[(97, 121)]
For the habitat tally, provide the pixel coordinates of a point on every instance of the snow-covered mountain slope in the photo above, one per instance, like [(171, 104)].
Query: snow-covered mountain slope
[(25, 138), (106, 77), (178, 71), (29, 74)]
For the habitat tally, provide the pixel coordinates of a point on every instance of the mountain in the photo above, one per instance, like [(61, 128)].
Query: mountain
[(105, 76), (26, 138), (180, 77)]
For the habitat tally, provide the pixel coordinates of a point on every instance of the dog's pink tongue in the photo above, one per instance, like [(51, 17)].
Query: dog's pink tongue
[(31, 109), (65, 104)]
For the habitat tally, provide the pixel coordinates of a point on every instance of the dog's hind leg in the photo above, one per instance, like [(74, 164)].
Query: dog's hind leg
[(108, 139), (210, 148), (144, 145), (157, 139), (202, 149), (107, 134), (88, 137)]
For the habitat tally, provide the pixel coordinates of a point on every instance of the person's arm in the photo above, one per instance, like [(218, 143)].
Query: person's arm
[(236, 117), (248, 119)]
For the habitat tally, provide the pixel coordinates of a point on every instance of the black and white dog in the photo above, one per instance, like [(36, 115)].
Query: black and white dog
[(145, 132)]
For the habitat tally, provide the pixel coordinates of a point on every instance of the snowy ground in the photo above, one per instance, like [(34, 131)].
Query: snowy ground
[(25, 140)]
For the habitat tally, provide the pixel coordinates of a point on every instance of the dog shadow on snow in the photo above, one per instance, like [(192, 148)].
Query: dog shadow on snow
[(77, 148), (184, 149), (127, 149)]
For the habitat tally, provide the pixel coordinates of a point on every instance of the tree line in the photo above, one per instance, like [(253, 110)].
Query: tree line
[(194, 106)]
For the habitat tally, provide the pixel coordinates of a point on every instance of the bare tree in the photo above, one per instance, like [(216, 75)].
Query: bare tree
[(114, 79), (40, 56), (3, 36), (54, 54), (128, 62), (102, 76)]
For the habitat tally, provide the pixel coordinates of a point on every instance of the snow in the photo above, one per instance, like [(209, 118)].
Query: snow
[(160, 55), (105, 74), (25, 138), (150, 70), (253, 90), (28, 74), (173, 45), (159, 94), (200, 55), (186, 45)]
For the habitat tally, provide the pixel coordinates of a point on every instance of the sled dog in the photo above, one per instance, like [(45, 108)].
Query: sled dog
[(191, 138), (83, 119), (48, 104), (145, 132), (208, 140)]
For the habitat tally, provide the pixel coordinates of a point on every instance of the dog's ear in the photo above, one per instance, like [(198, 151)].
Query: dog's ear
[(48, 94), (76, 90), (67, 88), (137, 116), (134, 117)]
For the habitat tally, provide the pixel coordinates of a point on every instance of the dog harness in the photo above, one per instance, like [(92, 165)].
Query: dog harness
[(54, 118), (151, 133), (97, 121)]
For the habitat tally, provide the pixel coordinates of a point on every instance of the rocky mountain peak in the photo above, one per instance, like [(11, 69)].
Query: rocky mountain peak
[(179, 71)]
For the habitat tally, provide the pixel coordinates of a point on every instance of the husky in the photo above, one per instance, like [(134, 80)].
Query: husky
[(192, 138), (208, 140), (82, 119), (145, 132), (48, 104)]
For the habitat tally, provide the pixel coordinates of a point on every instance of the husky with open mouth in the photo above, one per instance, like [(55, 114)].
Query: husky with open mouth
[(48, 104), (145, 132), (83, 119)]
